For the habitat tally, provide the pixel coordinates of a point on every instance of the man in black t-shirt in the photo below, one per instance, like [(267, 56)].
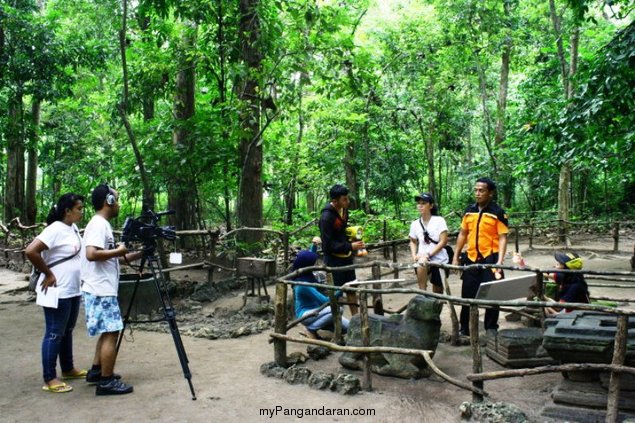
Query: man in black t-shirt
[(338, 250)]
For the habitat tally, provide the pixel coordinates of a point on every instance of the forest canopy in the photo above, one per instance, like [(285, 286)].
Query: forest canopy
[(245, 113)]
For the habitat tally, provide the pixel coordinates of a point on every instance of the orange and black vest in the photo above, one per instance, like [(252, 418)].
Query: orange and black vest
[(484, 227)]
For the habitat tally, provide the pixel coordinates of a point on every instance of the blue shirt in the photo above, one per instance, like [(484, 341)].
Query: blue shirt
[(307, 298)]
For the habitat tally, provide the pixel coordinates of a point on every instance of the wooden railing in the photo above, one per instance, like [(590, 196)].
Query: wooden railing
[(476, 379)]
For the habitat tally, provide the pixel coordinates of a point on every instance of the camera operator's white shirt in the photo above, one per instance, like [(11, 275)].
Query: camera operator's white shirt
[(62, 241), (435, 227), (100, 278)]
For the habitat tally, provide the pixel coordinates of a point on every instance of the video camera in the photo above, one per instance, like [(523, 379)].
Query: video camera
[(146, 230)]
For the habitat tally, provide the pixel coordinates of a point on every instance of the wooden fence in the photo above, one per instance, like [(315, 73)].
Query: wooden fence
[(475, 380)]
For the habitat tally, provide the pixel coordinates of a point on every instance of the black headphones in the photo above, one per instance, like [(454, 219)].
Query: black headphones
[(110, 198)]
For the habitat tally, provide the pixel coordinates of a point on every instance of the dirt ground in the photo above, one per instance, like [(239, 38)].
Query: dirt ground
[(226, 377)]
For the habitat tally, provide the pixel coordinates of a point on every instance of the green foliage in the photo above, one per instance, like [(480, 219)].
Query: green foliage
[(356, 85)]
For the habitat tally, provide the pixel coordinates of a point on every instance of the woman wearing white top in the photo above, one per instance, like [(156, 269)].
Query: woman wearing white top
[(60, 241), (428, 237)]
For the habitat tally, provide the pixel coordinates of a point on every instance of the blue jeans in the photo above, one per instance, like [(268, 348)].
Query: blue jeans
[(323, 320), (58, 336)]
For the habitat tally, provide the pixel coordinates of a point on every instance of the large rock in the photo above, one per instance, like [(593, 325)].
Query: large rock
[(346, 384), (271, 369), (418, 328), (487, 412), (321, 380), (297, 375)]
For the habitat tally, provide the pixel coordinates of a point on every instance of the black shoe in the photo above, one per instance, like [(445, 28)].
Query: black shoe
[(113, 387), (94, 376)]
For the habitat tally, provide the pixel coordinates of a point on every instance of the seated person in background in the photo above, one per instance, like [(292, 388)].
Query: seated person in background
[(572, 287), (316, 244), (308, 298)]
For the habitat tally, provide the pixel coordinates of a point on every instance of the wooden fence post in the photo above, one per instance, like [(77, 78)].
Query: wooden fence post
[(531, 236), (367, 383), (285, 245), (385, 239), (619, 353), (394, 259), (335, 310), (280, 325), (454, 337), (477, 359), (541, 296), (378, 303), (616, 237)]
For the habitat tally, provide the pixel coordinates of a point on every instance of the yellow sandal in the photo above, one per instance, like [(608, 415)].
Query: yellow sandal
[(57, 389)]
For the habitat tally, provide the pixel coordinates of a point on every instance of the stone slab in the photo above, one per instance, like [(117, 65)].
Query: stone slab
[(585, 337), (579, 415), (627, 381), (589, 395), (518, 363)]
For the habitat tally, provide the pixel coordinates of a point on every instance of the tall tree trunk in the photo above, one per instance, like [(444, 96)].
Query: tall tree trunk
[(14, 186), (310, 201), (367, 171), (557, 31), (221, 81), (501, 109), (148, 193), (566, 72), (250, 185), (291, 191), (351, 175), (432, 183), (31, 176), (428, 139), (56, 183), (147, 100), (181, 192), (573, 67)]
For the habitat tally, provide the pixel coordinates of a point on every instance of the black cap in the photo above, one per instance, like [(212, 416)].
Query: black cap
[(425, 197)]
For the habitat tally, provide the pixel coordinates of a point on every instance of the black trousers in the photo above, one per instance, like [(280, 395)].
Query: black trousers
[(472, 279), (340, 278)]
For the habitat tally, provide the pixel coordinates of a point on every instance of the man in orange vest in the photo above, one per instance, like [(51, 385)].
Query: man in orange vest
[(484, 229)]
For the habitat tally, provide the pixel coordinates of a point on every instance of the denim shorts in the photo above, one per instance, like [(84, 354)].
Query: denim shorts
[(102, 314)]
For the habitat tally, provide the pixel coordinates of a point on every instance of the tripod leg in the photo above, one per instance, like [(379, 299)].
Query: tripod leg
[(169, 315), (180, 350)]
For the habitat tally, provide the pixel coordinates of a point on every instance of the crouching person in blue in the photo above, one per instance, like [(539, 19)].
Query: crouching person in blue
[(309, 299)]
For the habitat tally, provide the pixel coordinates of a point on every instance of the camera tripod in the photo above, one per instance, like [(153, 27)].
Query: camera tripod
[(169, 314)]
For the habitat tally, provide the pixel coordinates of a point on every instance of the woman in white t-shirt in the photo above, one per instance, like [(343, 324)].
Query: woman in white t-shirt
[(428, 237), (58, 245)]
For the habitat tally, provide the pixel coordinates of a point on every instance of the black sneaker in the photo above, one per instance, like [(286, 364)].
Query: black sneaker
[(113, 387), (94, 376)]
